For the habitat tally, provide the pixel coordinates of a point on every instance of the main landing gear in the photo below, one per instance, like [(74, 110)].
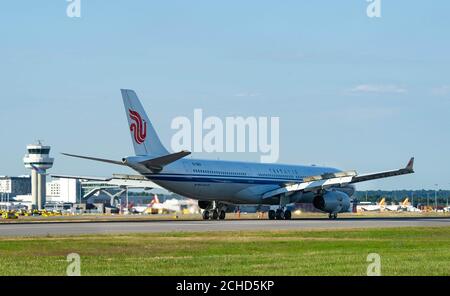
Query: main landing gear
[(214, 214), (332, 216), (280, 214), (213, 210)]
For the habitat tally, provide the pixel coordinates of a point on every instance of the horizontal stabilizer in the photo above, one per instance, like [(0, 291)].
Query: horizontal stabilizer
[(81, 178), (95, 159), (157, 164), (129, 177), (117, 180)]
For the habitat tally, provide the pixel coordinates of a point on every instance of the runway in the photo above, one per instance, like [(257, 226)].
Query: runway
[(78, 228)]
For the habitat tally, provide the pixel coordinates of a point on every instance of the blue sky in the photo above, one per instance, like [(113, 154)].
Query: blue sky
[(350, 91)]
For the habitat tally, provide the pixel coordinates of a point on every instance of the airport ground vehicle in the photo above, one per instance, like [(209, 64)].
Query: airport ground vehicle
[(9, 215)]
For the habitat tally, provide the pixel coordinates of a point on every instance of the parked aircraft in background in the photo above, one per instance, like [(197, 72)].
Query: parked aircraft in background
[(172, 205), (408, 207), (373, 208), (382, 206), (218, 184)]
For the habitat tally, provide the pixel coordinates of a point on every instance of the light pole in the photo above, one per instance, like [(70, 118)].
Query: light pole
[(79, 197), (126, 188), (79, 194), (435, 197), (447, 199)]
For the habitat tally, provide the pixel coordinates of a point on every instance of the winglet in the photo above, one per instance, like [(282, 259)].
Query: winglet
[(410, 165)]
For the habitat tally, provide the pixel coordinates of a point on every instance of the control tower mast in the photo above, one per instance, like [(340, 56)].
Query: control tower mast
[(38, 160)]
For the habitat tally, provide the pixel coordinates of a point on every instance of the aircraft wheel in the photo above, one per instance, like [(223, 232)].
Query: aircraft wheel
[(215, 215), (222, 215), (279, 214), (271, 215), (330, 216), (205, 215), (287, 215), (335, 216)]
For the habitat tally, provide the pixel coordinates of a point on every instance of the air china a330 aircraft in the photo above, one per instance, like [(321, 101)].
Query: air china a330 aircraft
[(220, 185)]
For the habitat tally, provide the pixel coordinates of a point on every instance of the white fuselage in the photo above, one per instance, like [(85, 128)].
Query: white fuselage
[(233, 182)]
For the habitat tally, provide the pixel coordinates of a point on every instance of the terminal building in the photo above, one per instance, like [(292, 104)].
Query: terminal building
[(69, 191), (14, 186), (63, 191)]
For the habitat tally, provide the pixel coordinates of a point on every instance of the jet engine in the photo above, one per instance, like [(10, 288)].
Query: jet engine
[(332, 202)]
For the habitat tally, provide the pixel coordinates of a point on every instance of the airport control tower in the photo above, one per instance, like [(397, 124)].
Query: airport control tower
[(37, 159)]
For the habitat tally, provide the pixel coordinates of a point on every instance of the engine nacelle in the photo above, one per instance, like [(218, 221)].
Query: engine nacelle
[(332, 202)]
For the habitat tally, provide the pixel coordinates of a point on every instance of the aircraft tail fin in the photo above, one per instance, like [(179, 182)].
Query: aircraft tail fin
[(155, 200), (143, 135)]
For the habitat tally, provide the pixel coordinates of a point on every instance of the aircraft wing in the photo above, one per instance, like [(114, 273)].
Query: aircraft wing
[(341, 179), (409, 169)]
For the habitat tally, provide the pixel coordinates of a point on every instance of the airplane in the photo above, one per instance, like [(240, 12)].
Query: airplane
[(382, 206), (403, 206), (172, 205), (146, 208), (408, 207), (140, 208), (218, 184), (374, 208), (393, 207)]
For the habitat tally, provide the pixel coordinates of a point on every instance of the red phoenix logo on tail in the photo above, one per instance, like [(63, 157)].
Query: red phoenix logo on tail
[(138, 127)]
